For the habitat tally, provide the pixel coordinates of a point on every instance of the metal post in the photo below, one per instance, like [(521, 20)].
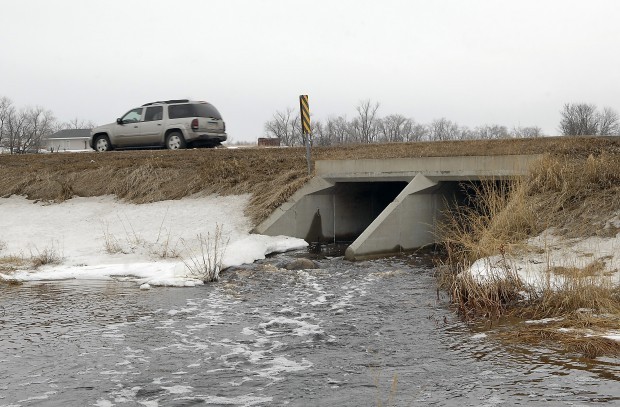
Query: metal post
[(308, 158), (304, 107)]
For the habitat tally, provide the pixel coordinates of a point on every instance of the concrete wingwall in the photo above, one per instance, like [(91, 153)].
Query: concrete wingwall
[(408, 222), (382, 206)]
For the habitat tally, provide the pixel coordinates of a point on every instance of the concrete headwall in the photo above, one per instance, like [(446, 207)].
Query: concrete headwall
[(326, 212)]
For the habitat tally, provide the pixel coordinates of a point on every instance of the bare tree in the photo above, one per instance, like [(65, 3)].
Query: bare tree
[(365, 124), (443, 129), (608, 122), (579, 119), (6, 106), (338, 130), (15, 123), (465, 133), (491, 132), (320, 134), (297, 136), (526, 132), (77, 124), (419, 132), (395, 128), (27, 127), (283, 125)]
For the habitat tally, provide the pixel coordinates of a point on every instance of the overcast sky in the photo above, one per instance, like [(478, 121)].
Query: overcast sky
[(511, 62)]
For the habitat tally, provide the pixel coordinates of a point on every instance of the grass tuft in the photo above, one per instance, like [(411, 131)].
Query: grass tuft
[(49, 255), (206, 263)]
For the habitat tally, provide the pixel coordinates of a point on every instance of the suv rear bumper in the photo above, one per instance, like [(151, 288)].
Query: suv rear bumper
[(210, 137)]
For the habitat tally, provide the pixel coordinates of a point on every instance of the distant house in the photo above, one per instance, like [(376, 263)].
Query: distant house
[(269, 142), (68, 140)]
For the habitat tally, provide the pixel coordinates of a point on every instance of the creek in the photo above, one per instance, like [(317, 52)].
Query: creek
[(367, 333)]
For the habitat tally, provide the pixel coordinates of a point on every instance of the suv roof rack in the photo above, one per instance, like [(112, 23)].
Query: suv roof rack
[(167, 102)]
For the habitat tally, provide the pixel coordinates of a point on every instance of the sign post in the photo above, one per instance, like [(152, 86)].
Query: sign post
[(305, 126)]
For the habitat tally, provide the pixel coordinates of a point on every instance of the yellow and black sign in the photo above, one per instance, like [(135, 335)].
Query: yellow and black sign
[(305, 114)]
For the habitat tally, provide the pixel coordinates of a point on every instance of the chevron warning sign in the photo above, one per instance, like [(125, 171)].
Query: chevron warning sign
[(305, 114)]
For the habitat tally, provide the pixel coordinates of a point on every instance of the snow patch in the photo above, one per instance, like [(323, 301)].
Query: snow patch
[(104, 238)]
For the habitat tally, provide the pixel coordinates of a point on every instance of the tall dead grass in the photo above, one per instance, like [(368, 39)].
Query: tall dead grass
[(577, 290), (494, 218), (575, 195)]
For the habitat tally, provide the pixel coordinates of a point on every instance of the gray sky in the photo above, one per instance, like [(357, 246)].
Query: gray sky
[(510, 62)]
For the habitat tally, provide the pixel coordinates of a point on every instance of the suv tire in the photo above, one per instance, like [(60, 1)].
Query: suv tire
[(175, 141), (102, 143)]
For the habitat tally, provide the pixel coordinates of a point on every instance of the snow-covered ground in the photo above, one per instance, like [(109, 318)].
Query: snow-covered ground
[(548, 252), (103, 238)]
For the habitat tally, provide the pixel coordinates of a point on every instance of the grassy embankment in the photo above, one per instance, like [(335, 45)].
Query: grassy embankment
[(574, 189), (573, 194), (270, 176)]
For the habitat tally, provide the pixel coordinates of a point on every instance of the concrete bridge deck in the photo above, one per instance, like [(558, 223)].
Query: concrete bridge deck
[(384, 206)]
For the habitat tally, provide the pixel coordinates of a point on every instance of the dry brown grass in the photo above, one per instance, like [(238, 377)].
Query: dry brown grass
[(270, 176), (594, 269), (495, 218), (577, 195), (574, 193), (11, 263), (37, 258), (574, 340), (48, 255), (574, 293), (489, 300)]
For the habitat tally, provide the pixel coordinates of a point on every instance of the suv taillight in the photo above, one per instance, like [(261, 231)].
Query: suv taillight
[(195, 124)]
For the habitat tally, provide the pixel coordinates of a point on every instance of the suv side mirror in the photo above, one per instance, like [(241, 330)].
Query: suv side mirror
[(119, 121)]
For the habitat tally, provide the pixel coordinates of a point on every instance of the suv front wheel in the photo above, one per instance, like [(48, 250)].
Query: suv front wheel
[(175, 141), (102, 143)]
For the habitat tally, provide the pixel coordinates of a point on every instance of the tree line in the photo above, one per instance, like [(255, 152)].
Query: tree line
[(583, 119), (367, 126), (23, 129)]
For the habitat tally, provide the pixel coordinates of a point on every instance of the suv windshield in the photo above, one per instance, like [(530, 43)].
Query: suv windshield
[(193, 110)]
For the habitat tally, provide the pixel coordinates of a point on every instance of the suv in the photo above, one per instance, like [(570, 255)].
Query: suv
[(172, 124)]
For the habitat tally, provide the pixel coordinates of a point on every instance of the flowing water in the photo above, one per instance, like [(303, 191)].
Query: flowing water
[(348, 334)]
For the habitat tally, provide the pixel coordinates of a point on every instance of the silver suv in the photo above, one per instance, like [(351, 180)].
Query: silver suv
[(172, 124)]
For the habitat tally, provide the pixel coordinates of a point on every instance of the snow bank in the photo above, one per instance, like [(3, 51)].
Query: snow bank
[(103, 238), (551, 251)]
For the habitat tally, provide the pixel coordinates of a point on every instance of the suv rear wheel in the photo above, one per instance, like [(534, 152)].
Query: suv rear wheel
[(175, 141)]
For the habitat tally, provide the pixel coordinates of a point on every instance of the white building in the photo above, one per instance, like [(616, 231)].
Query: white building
[(68, 140)]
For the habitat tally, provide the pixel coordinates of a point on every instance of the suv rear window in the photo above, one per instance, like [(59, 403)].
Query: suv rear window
[(193, 110)]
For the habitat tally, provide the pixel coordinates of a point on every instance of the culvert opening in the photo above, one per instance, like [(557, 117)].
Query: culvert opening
[(354, 205)]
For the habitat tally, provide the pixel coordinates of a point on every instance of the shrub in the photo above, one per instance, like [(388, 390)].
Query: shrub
[(49, 255), (207, 263)]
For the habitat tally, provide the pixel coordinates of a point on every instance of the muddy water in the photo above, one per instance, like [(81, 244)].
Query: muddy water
[(349, 334)]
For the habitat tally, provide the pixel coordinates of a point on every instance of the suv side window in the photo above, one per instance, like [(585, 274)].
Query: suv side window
[(202, 109), (153, 113), (179, 111), (132, 116)]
